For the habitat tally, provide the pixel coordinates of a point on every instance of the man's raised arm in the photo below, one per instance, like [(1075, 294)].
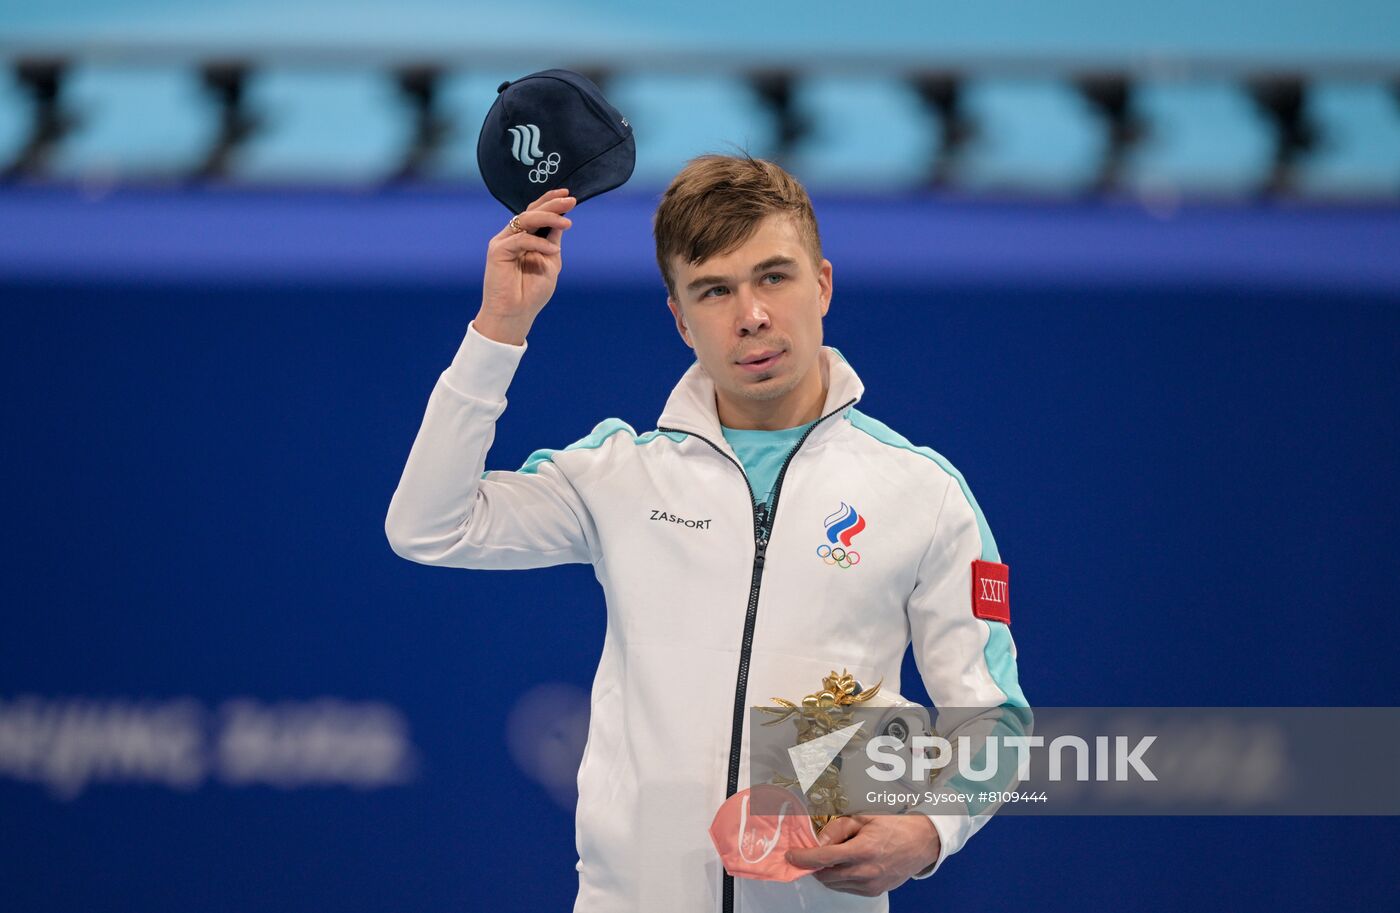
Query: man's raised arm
[(444, 511)]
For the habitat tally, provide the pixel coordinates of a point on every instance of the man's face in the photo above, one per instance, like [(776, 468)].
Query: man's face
[(765, 296)]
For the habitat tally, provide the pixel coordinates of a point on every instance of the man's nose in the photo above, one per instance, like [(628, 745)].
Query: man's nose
[(753, 315)]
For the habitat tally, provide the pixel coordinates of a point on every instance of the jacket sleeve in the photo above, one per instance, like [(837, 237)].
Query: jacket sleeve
[(448, 511), (968, 664)]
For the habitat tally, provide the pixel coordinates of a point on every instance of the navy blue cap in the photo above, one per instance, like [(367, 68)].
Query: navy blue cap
[(553, 129)]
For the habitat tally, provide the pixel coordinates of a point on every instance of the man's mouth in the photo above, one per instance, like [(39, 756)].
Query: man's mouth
[(761, 360)]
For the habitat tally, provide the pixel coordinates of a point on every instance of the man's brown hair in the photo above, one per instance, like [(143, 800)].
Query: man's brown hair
[(716, 202)]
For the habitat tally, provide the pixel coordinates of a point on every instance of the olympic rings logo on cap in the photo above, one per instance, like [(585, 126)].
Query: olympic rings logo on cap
[(547, 166), (525, 149), (838, 556)]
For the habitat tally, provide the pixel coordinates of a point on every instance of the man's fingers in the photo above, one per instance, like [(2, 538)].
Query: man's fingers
[(554, 194), (822, 856), (537, 219), (861, 888), (559, 207), (547, 212), (545, 215), (524, 241), (552, 213), (836, 846), (856, 878), (559, 204), (839, 830)]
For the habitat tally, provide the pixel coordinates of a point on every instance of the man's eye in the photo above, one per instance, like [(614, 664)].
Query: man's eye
[(720, 288)]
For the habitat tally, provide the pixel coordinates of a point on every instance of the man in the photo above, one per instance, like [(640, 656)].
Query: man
[(712, 538)]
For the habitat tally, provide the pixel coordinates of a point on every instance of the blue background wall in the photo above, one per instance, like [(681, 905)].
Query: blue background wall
[(1182, 431)]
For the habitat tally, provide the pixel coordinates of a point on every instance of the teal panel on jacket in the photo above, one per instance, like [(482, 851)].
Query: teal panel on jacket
[(1001, 662), (600, 433)]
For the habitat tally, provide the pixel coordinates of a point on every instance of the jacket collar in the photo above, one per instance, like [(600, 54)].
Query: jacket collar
[(691, 406)]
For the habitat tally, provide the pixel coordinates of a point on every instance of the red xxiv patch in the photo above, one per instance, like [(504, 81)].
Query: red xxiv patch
[(991, 591)]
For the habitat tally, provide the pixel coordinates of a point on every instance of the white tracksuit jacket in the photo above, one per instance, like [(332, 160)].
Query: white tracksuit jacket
[(712, 606)]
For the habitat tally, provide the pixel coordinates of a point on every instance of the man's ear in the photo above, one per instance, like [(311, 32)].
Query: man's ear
[(824, 285), (680, 321)]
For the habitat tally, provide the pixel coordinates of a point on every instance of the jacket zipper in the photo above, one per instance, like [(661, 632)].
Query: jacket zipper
[(762, 529)]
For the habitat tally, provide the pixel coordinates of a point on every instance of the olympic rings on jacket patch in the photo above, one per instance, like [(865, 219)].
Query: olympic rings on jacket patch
[(838, 556)]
